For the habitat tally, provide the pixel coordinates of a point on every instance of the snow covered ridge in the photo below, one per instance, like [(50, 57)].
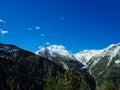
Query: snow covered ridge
[(110, 52), (83, 56), (87, 55)]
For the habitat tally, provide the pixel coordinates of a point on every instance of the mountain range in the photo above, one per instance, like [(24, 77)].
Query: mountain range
[(103, 64), (21, 69)]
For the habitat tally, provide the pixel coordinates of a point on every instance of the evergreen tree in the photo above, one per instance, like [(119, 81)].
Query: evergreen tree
[(107, 86), (71, 80), (51, 81), (59, 85), (83, 85)]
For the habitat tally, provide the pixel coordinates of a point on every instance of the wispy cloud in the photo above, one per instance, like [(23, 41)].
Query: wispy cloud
[(37, 27), (47, 43), (42, 35), (2, 21), (3, 32), (29, 29), (41, 47), (34, 28)]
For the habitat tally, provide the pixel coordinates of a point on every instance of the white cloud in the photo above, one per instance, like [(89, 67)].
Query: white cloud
[(40, 47), (56, 47), (3, 32), (47, 43), (37, 27), (2, 21), (29, 29), (42, 35)]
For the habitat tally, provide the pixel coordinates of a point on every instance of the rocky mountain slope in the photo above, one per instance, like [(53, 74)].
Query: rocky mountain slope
[(104, 64), (62, 57), (65, 59), (24, 70)]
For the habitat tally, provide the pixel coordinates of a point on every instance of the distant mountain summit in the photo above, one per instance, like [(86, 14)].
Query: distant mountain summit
[(61, 56), (111, 51), (85, 55), (55, 51)]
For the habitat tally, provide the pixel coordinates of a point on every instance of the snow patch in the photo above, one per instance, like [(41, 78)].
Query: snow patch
[(100, 72), (117, 61), (8, 49), (65, 66), (112, 53)]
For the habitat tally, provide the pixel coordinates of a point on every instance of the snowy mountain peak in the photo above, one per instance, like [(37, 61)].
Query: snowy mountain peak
[(61, 56), (110, 52), (56, 47), (55, 51), (53, 48), (85, 55), (112, 45)]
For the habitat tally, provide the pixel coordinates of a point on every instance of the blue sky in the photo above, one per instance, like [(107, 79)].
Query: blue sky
[(75, 24)]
